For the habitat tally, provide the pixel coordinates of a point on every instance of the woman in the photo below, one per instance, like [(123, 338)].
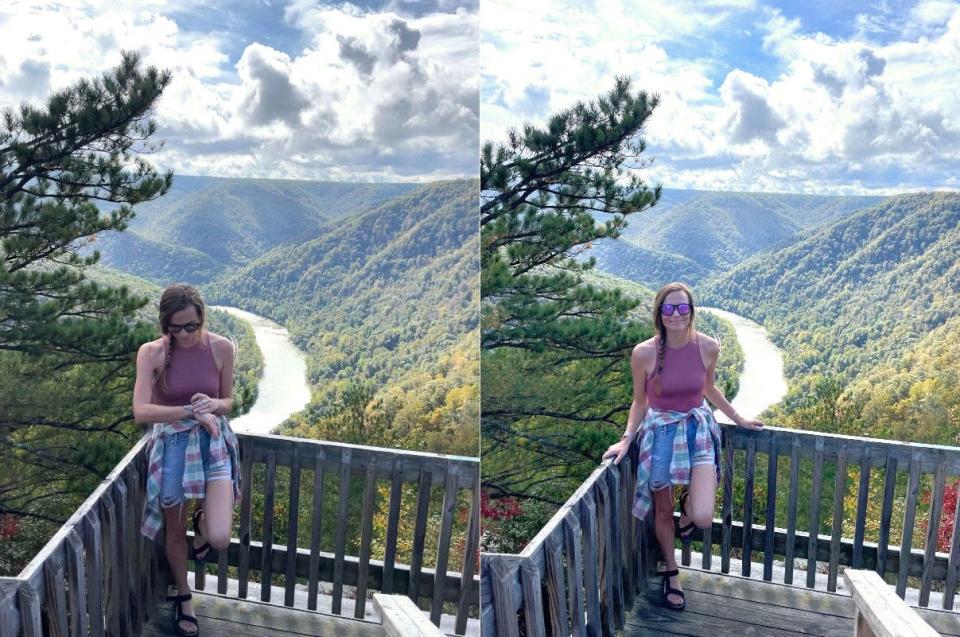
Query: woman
[(679, 439), (184, 385)]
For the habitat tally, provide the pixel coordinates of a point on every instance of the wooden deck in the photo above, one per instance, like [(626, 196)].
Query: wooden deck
[(727, 605), (224, 617)]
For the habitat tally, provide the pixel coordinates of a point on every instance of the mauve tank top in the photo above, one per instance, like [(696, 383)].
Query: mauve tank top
[(681, 381), (192, 370)]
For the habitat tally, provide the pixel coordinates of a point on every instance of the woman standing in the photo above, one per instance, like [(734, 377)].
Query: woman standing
[(679, 439), (184, 386)]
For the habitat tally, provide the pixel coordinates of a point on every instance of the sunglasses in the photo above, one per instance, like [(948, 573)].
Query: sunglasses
[(190, 327), (683, 308)]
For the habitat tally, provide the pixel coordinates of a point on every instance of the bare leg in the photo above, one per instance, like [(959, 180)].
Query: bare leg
[(666, 535), (175, 519), (216, 523), (702, 498)]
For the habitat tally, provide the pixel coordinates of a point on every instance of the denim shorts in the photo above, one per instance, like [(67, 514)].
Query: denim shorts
[(662, 455), (174, 460)]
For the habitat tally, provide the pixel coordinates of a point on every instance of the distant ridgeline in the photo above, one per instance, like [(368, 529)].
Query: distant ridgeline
[(690, 234), (868, 310), (378, 283)]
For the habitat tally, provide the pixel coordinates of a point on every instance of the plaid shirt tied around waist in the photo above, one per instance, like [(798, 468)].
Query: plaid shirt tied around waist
[(222, 447), (707, 436)]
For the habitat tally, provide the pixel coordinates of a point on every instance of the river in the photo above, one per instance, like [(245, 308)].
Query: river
[(283, 389), (762, 382)]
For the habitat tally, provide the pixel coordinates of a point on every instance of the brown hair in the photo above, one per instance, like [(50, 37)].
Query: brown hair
[(658, 323), (175, 298)]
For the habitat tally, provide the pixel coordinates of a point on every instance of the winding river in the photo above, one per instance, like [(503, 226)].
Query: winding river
[(762, 382), (283, 389)]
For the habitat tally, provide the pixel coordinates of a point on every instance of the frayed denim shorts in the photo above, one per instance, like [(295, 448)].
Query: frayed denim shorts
[(662, 455), (174, 462)]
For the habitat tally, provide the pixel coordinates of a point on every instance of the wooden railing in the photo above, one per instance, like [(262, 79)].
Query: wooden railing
[(796, 469), (99, 576)]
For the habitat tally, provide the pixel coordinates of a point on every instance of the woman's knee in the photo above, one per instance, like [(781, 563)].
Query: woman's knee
[(219, 538), (702, 518)]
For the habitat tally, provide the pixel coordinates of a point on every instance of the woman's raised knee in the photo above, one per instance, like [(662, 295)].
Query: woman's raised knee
[(702, 520)]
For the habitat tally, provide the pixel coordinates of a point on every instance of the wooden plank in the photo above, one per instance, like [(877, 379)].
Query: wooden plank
[(443, 542), (293, 518), (470, 555), (533, 599), (246, 509), (860, 525), (556, 592), (136, 564), (111, 561), (839, 490), (906, 543), (28, 599), (771, 511), (625, 528), (393, 525), (339, 549), (792, 509), (92, 540), (729, 441), (420, 533), (616, 545), (123, 555), (501, 575), (266, 565), (315, 528), (366, 531), (885, 614), (606, 557), (886, 513), (953, 564), (750, 468), (55, 602), (590, 562), (573, 538), (9, 614), (933, 526), (76, 583), (814, 513), (402, 618)]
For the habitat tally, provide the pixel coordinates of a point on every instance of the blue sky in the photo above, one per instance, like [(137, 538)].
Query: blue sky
[(825, 97), (303, 89)]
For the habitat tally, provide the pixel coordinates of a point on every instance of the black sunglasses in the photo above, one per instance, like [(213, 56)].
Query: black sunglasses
[(190, 327), (684, 308)]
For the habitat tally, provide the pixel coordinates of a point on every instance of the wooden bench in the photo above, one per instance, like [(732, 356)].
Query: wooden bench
[(880, 613)]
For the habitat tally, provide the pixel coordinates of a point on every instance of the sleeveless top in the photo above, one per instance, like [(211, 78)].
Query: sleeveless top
[(681, 381), (192, 370)]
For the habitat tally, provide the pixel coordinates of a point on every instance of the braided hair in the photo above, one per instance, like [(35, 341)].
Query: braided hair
[(175, 298), (661, 330)]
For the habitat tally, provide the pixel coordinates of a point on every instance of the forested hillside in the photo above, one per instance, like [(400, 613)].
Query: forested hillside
[(866, 310), (690, 235)]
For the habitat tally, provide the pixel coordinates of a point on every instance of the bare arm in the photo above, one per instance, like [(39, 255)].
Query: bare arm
[(712, 393), (639, 361), (224, 354)]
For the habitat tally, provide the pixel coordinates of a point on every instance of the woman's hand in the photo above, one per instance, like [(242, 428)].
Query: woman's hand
[(203, 404), (210, 423), (748, 423), (618, 450)]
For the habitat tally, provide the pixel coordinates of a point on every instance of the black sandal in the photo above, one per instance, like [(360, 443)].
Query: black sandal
[(685, 532), (180, 616), (203, 553), (667, 591)]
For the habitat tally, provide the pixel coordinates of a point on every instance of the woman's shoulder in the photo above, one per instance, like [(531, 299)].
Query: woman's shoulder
[(646, 349), (152, 348), (708, 344), (221, 344)]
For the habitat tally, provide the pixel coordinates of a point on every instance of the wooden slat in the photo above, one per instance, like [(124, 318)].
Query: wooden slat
[(573, 538), (751, 469), (341, 533), (839, 490), (315, 528), (605, 555), (591, 579), (814, 513), (729, 441), (111, 561), (293, 518), (953, 563), (135, 559), (246, 508), (55, 598), (443, 542), (366, 531), (881, 613), (28, 599), (9, 615), (123, 556), (771, 511), (626, 535), (393, 525), (616, 546), (933, 526), (469, 561), (863, 493), (556, 593), (77, 583), (266, 565), (792, 509), (886, 513), (419, 534), (910, 511), (501, 576), (92, 540), (534, 621)]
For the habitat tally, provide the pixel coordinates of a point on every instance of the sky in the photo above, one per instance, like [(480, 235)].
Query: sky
[(831, 97), (298, 89)]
